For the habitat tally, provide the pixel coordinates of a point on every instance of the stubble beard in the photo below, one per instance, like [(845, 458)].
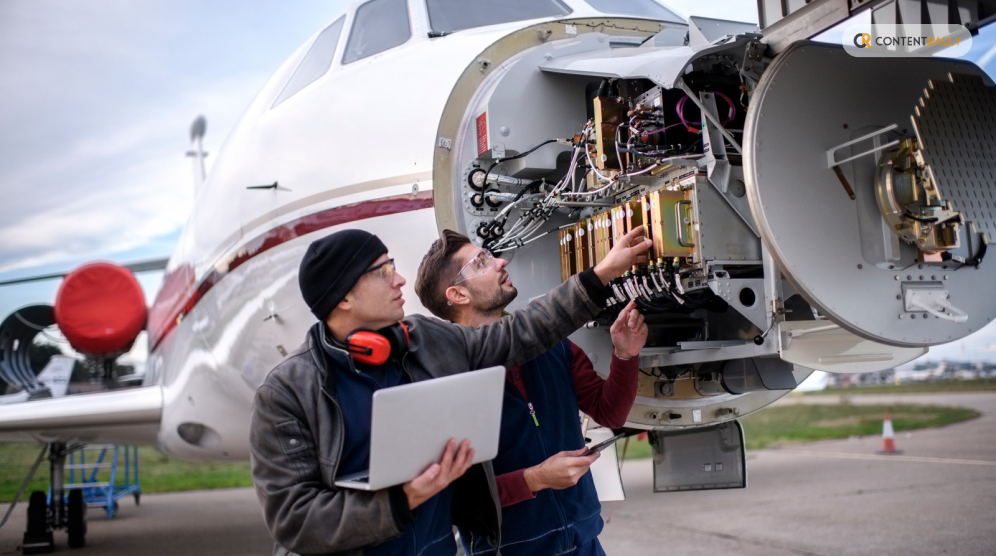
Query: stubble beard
[(493, 303)]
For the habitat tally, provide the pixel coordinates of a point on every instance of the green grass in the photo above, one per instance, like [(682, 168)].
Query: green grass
[(977, 385), (778, 426), (772, 426), (157, 472)]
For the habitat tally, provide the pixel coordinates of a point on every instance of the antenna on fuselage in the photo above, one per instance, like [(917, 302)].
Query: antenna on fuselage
[(197, 129)]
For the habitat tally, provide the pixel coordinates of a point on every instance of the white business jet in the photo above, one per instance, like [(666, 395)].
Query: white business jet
[(805, 204)]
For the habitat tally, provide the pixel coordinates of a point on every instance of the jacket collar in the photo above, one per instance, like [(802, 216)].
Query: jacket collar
[(328, 354)]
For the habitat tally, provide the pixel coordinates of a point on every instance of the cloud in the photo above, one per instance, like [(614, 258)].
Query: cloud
[(98, 97), (111, 190)]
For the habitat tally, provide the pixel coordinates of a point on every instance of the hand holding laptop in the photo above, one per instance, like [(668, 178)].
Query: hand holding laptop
[(412, 424), (439, 475)]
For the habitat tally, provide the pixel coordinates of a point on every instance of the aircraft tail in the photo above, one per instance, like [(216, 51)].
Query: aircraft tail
[(196, 152), (54, 380)]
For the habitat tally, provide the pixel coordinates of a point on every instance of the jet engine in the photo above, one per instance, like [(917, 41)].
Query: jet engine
[(17, 334), (100, 309)]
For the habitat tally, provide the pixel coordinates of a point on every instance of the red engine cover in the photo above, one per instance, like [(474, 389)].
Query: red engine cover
[(100, 308)]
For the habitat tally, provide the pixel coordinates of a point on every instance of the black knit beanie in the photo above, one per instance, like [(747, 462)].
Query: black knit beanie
[(333, 265)]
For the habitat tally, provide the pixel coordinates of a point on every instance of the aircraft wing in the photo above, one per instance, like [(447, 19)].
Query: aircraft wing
[(125, 416), (140, 266)]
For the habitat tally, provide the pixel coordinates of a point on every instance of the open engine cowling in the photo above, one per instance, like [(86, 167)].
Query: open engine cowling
[(100, 308)]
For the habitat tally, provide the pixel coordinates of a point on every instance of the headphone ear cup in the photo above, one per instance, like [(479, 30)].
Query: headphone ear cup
[(397, 335), (369, 348)]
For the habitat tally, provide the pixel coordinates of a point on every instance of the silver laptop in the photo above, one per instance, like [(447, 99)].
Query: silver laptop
[(412, 423)]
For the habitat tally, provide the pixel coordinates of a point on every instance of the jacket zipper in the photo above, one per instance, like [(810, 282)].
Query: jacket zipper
[(338, 413), (529, 405), (404, 367), (340, 439), (539, 437)]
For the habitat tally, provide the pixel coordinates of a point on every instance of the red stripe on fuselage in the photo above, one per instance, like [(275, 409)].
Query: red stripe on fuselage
[(280, 235)]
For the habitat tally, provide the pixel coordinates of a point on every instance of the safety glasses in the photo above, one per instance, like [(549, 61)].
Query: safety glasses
[(384, 272), (477, 265)]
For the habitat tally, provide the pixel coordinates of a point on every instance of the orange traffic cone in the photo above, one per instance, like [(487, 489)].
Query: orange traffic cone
[(888, 438)]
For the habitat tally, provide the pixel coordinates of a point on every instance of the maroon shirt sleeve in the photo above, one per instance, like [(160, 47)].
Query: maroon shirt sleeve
[(607, 401), (512, 488)]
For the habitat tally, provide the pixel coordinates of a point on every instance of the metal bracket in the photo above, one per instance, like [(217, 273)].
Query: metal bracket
[(700, 352), (681, 222), (832, 152), (933, 300), (717, 166), (755, 61), (729, 289)]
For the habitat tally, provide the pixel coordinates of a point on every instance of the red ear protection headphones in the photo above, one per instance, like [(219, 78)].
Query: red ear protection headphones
[(374, 348)]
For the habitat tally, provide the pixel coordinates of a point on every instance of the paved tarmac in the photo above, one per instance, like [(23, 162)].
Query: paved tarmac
[(832, 497), (215, 522)]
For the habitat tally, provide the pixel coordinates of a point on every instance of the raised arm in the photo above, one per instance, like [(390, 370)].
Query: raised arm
[(527, 333), (608, 401)]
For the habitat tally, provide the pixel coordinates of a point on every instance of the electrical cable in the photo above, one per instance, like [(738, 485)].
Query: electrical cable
[(515, 157), (731, 115)]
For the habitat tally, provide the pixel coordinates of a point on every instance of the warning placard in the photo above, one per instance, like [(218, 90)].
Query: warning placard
[(482, 133)]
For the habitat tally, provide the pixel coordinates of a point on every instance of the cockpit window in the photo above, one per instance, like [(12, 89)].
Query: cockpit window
[(378, 26), (447, 16), (642, 8), (315, 63)]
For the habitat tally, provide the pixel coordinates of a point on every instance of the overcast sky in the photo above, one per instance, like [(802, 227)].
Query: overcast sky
[(96, 100)]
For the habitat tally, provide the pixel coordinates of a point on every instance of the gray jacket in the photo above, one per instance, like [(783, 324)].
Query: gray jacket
[(296, 434)]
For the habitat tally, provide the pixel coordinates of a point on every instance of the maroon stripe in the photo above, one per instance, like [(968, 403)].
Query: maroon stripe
[(160, 327)]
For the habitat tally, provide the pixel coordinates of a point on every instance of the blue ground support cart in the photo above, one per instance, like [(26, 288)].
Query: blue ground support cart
[(101, 479)]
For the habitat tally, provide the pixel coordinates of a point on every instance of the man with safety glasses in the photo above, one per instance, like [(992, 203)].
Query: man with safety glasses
[(311, 416), (548, 498)]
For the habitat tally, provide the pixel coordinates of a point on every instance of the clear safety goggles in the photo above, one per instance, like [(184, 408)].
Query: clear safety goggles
[(480, 263)]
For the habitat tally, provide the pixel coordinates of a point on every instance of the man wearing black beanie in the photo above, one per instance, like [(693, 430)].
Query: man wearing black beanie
[(311, 417)]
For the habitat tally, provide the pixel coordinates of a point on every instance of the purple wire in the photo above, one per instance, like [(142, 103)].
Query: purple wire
[(729, 118), (731, 115)]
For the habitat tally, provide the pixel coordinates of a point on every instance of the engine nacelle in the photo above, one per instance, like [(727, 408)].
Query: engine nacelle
[(100, 308), (17, 333)]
